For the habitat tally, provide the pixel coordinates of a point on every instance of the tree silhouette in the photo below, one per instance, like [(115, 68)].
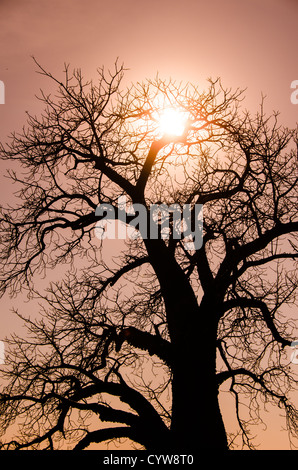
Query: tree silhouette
[(140, 345)]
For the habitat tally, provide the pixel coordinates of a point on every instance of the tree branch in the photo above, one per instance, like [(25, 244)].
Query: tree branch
[(261, 305), (108, 434), (146, 341)]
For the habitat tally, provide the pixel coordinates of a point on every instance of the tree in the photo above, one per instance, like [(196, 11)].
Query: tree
[(149, 339)]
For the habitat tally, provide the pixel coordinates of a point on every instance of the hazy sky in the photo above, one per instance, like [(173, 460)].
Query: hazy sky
[(249, 44)]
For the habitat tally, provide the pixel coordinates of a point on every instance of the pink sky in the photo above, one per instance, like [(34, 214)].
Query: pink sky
[(249, 44)]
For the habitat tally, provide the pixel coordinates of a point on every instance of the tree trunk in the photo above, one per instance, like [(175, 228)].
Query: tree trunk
[(196, 418)]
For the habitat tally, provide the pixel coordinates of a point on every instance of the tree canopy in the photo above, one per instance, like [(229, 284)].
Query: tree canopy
[(147, 338)]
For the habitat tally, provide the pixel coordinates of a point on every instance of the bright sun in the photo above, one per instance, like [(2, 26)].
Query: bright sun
[(172, 122)]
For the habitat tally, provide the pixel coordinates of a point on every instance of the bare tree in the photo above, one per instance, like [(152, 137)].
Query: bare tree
[(147, 341)]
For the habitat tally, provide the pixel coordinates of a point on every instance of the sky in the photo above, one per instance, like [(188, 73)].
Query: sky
[(249, 44)]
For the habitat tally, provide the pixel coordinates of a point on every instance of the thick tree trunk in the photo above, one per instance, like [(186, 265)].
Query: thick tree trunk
[(196, 418)]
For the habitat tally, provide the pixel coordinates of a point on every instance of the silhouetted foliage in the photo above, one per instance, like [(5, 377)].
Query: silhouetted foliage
[(148, 339)]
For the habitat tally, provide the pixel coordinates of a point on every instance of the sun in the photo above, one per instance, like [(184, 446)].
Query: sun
[(172, 122)]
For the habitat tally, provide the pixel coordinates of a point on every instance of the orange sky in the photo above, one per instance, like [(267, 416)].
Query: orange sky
[(249, 44)]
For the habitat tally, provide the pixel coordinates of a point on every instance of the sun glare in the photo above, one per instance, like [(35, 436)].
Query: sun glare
[(172, 122)]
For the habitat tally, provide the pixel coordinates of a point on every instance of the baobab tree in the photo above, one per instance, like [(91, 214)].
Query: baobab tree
[(139, 345)]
